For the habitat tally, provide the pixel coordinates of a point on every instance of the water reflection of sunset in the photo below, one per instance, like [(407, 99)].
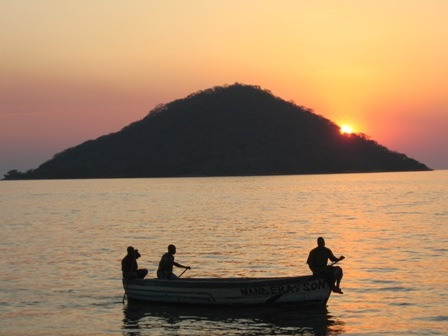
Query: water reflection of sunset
[(392, 233)]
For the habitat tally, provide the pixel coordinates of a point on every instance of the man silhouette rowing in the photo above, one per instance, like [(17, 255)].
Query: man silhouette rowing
[(165, 270)]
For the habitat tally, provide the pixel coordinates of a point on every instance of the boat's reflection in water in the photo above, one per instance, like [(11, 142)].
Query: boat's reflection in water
[(142, 318)]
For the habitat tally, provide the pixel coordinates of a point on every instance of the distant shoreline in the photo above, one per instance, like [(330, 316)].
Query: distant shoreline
[(213, 176)]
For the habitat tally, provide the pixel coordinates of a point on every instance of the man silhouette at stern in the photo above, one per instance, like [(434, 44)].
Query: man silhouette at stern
[(317, 261)]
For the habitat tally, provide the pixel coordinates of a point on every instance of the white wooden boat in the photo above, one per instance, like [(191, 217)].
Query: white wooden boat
[(231, 291)]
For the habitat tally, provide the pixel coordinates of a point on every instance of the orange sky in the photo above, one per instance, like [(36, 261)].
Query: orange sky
[(75, 70)]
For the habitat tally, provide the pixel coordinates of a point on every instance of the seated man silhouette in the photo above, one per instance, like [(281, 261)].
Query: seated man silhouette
[(129, 265), (165, 270), (317, 261)]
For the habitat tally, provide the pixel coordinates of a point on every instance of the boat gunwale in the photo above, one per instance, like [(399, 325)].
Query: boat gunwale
[(222, 282)]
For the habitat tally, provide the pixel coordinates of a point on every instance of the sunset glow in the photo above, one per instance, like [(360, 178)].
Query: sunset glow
[(346, 129), (73, 71)]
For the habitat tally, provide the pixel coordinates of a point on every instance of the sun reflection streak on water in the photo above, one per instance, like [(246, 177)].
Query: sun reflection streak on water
[(62, 242)]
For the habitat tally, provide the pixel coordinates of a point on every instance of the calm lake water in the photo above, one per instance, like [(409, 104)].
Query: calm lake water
[(62, 243)]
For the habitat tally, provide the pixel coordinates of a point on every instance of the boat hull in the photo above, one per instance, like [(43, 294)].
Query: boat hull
[(230, 291)]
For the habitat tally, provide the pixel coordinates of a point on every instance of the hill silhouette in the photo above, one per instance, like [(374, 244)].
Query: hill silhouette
[(223, 131)]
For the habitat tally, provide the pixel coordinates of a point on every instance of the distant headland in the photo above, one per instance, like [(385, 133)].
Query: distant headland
[(223, 131)]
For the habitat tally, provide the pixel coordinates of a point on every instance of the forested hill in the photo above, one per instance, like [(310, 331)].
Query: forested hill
[(228, 130)]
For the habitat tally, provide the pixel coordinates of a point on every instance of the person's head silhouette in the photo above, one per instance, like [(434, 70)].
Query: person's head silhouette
[(172, 249), (321, 242)]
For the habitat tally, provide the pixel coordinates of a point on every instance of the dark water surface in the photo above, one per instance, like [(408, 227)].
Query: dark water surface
[(62, 242)]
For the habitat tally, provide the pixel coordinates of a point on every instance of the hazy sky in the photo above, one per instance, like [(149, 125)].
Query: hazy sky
[(75, 70)]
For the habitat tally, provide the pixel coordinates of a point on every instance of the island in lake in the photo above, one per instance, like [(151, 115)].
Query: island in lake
[(223, 131)]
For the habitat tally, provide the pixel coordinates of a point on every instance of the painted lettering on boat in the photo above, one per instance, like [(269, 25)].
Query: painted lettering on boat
[(310, 286), (255, 291), (283, 289)]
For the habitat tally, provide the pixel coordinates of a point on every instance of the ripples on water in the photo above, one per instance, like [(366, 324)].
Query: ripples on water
[(62, 242), (187, 320)]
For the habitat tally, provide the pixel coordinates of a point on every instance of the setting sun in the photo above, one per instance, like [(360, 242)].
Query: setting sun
[(346, 129)]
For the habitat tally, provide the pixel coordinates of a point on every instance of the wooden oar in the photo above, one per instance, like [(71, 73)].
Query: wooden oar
[(183, 272), (333, 263), (124, 295), (126, 287)]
